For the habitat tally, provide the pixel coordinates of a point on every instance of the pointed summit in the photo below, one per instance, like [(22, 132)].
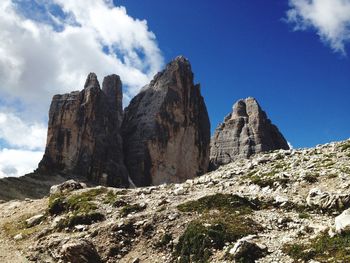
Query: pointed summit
[(166, 129), (91, 81), (245, 131)]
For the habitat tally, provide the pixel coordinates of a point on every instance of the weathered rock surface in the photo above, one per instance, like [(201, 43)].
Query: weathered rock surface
[(273, 183), (342, 222), (166, 129), (66, 187), (80, 251), (244, 132), (84, 133), (247, 251), (324, 200)]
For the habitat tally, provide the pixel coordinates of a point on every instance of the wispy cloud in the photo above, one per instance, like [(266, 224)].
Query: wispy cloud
[(18, 162), (329, 18), (49, 47)]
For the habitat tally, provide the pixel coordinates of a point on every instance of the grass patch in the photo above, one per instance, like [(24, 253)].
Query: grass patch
[(165, 240), (79, 203), (311, 178), (268, 181), (304, 215), (19, 226), (221, 202), (208, 232), (128, 209), (80, 219), (323, 248), (345, 146)]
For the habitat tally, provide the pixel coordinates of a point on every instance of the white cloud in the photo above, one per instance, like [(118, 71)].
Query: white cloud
[(38, 60), (290, 145), (17, 133), (18, 162), (329, 18)]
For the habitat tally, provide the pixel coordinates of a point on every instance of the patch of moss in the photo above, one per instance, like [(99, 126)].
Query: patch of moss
[(222, 202), (304, 215), (128, 209), (264, 181), (311, 178), (110, 198), (80, 219), (208, 232), (345, 146), (323, 249), (166, 238), (14, 228), (79, 203)]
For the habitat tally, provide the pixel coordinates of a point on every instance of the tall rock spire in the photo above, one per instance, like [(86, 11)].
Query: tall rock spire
[(166, 129), (244, 132), (84, 133)]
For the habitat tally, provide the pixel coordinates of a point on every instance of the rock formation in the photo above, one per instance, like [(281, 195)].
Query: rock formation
[(166, 129), (244, 132), (84, 133)]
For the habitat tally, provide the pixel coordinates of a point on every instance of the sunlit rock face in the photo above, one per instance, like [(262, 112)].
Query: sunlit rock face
[(166, 129), (84, 133), (244, 132)]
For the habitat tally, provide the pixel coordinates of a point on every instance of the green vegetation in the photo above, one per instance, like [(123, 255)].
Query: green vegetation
[(81, 205), (222, 202), (264, 181), (13, 228), (304, 215), (223, 219), (208, 232), (128, 209), (165, 240), (345, 146), (311, 178), (80, 219), (324, 249)]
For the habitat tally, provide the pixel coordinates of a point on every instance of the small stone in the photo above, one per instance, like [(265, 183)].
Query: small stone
[(18, 237)]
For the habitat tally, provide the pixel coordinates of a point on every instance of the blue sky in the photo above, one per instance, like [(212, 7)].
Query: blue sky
[(292, 55), (245, 48)]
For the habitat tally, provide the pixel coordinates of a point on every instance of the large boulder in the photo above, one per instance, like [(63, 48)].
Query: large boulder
[(342, 222), (79, 251), (327, 201), (244, 132), (166, 129), (84, 133)]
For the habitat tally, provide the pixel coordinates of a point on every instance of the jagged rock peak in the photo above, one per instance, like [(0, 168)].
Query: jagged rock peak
[(244, 132), (84, 133), (91, 81), (166, 128)]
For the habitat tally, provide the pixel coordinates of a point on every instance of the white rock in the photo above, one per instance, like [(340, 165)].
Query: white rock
[(342, 222), (281, 199), (18, 237), (34, 220), (179, 191)]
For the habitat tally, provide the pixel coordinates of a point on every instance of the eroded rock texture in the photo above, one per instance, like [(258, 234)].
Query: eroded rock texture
[(84, 133), (245, 131), (166, 129)]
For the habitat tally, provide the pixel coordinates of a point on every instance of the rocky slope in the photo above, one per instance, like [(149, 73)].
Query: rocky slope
[(283, 204), (84, 133), (244, 132), (166, 129)]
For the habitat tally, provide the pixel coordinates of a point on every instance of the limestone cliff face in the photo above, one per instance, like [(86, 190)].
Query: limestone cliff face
[(244, 132), (166, 129), (84, 133)]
